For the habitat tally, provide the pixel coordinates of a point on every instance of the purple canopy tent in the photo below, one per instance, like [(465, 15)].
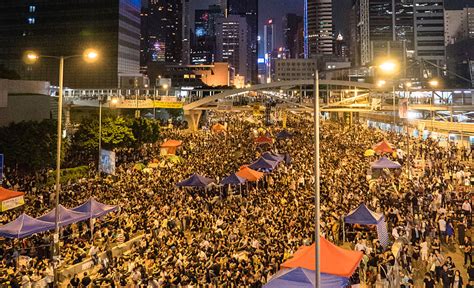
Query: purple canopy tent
[(233, 180), (272, 157), (94, 209), (24, 226), (384, 162), (195, 181), (66, 216), (263, 164), (283, 135), (302, 278)]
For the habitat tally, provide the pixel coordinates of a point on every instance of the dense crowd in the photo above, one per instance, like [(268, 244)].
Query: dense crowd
[(231, 237)]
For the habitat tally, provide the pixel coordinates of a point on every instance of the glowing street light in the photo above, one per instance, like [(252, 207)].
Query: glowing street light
[(434, 83), (388, 67), (408, 85), (381, 83), (31, 57)]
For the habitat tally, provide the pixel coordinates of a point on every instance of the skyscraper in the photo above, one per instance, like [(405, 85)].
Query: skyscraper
[(383, 28), (249, 10), (232, 44), (291, 24), (161, 32), (429, 33), (268, 48), (62, 28), (320, 27), (204, 43)]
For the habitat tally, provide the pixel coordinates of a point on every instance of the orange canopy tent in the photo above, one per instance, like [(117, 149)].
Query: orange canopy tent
[(171, 145), (263, 140), (10, 199), (334, 260), (383, 147), (218, 127), (249, 174)]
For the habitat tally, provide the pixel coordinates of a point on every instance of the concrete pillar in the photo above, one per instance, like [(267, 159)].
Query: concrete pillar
[(193, 117), (67, 116)]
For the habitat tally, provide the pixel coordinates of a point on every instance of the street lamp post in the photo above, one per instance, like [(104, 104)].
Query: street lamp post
[(89, 55), (317, 176)]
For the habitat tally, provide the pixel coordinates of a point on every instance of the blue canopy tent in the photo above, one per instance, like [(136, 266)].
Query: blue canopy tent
[(272, 157), (284, 135), (302, 278), (195, 180), (94, 209), (66, 216), (263, 164), (233, 180), (364, 216), (385, 163), (24, 226)]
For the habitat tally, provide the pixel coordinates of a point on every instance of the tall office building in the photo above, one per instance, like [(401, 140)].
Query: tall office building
[(458, 25), (249, 10), (268, 38), (382, 28), (233, 47), (204, 43), (429, 34), (291, 24), (320, 28), (161, 32), (61, 28)]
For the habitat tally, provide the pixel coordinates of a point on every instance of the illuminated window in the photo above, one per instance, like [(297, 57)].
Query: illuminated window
[(31, 20), (32, 8), (186, 76)]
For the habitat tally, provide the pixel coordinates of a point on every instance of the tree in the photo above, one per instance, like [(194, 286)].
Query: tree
[(6, 73), (145, 130), (30, 145)]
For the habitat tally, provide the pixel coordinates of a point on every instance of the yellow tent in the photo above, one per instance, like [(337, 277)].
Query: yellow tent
[(369, 152)]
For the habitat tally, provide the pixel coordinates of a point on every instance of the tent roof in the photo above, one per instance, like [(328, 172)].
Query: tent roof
[(334, 260), (362, 215), (249, 174), (66, 216), (24, 226), (218, 127), (263, 139), (195, 180), (284, 134), (263, 163), (171, 143), (233, 179), (273, 157), (94, 209), (383, 147), (384, 162), (300, 277), (6, 194)]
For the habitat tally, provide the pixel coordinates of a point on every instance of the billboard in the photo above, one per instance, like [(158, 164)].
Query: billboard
[(403, 109), (107, 162)]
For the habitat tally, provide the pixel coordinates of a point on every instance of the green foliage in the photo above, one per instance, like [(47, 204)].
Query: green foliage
[(68, 174), (30, 145), (6, 73), (116, 133), (145, 130)]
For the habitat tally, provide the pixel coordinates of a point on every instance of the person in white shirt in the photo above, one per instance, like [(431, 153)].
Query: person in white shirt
[(442, 228)]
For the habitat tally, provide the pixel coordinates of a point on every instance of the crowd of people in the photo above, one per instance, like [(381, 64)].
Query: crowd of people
[(238, 237)]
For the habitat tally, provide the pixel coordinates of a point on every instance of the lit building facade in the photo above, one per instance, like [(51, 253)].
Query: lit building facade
[(320, 27), (429, 34), (61, 28), (161, 32), (232, 40), (249, 10)]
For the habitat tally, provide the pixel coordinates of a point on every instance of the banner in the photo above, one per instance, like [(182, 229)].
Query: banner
[(168, 105), (1, 168), (403, 109), (12, 203), (107, 162)]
